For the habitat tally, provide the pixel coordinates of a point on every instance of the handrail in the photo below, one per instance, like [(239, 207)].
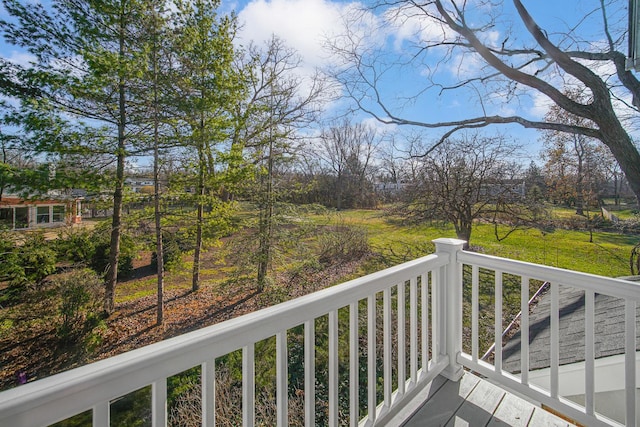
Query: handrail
[(613, 287), (438, 280), (591, 285), (38, 403)]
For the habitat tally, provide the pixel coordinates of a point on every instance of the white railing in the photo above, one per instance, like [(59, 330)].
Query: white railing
[(94, 387), (407, 320), (591, 286)]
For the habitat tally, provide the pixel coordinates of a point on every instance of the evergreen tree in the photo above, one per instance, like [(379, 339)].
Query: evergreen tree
[(157, 94), (88, 61), (208, 85)]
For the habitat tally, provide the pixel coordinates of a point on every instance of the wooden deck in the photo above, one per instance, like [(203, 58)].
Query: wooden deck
[(476, 402)]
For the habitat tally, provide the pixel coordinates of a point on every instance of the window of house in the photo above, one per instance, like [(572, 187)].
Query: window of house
[(42, 214), (6, 218), (58, 213), (22, 218)]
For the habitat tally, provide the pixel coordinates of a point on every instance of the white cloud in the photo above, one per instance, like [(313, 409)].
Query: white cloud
[(377, 126), (303, 24), (540, 104)]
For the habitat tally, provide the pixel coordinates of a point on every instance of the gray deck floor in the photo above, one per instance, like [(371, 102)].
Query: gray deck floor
[(476, 402)]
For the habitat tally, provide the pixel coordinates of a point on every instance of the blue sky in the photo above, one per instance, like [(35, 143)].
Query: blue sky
[(305, 25)]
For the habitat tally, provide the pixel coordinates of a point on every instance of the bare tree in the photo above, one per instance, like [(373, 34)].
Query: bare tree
[(571, 159), (506, 68), (613, 176), (280, 103), (465, 179), (348, 150)]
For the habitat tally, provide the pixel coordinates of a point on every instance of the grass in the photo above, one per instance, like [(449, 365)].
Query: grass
[(607, 255), (394, 241)]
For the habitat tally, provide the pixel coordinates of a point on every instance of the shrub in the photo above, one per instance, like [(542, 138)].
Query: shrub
[(37, 258), (171, 252), (100, 258), (10, 268), (81, 295), (75, 245), (343, 243)]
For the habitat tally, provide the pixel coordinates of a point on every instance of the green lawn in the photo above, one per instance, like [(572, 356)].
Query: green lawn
[(608, 255)]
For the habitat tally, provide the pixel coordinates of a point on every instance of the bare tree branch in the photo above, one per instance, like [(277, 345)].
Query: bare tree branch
[(548, 68)]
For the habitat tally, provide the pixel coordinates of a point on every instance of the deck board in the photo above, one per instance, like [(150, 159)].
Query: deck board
[(542, 418), (444, 404), (476, 402), (512, 411), (479, 406)]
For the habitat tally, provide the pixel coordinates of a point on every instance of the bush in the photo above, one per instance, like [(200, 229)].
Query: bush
[(100, 258), (344, 243), (171, 252), (75, 245), (37, 258), (81, 295), (10, 268), (21, 266)]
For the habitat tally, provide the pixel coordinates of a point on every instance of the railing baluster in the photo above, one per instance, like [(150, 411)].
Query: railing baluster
[(402, 349), (159, 403), (555, 337), (424, 295), (630, 362), (474, 312), (310, 373), (386, 343), (371, 359), (437, 344), (333, 368), (498, 322), (413, 316), (524, 330), (282, 377), (354, 365), (209, 393), (589, 351), (101, 415), (248, 386)]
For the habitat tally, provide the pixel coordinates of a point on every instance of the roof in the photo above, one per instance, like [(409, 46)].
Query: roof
[(609, 330), (12, 201)]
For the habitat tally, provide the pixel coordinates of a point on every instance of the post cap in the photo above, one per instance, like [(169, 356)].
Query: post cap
[(449, 242)]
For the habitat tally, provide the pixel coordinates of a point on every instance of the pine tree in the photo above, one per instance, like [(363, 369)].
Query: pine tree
[(88, 61), (208, 85)]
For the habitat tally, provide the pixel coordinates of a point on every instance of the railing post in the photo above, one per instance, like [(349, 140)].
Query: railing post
[(451, 287)]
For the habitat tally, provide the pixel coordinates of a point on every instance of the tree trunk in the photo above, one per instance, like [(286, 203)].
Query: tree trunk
[(156, 182), (114, 248), (626, 154), (201, 193), (116, 222), (616, 195), (339, 184), (463, 232), (159, 245), (266, 224)]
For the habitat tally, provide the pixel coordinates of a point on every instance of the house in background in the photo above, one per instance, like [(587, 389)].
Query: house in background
[(138, 184), (17, 213)]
